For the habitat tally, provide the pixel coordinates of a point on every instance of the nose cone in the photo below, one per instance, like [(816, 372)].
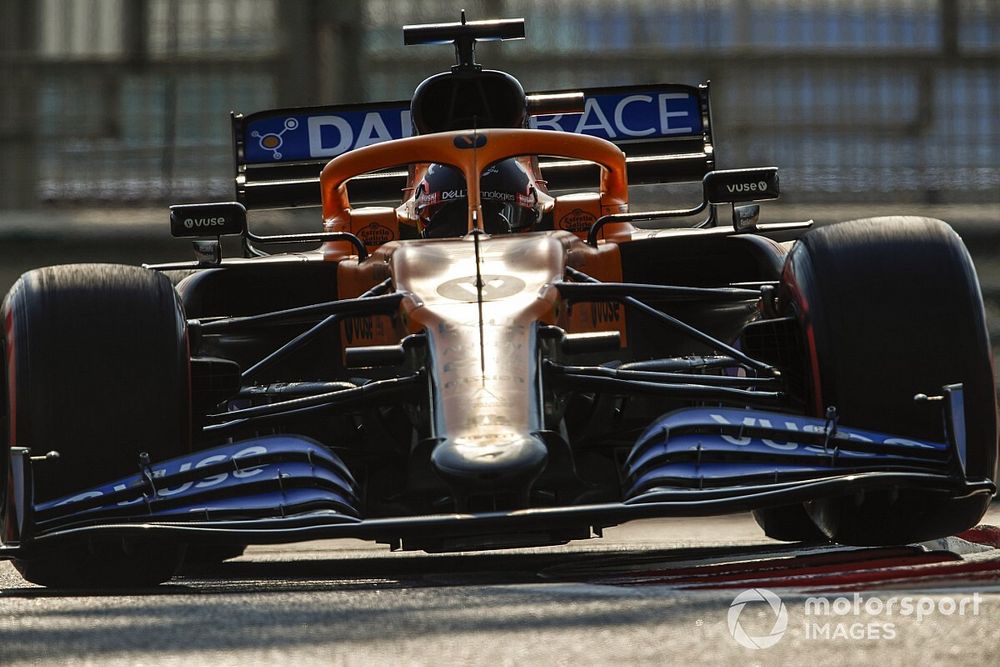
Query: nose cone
[(494, 465)]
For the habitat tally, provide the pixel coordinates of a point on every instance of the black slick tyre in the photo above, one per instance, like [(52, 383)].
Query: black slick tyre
[(96, 368), (890, 308)]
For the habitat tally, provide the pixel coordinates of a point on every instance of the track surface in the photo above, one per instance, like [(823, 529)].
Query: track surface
[(595, 602)]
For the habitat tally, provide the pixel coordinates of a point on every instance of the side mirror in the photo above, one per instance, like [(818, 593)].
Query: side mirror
[(200, 220), (741, 185)]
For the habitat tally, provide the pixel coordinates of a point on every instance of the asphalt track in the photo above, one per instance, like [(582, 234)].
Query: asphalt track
[(654, 592)]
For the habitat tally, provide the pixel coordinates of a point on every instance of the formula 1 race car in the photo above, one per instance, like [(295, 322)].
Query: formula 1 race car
[(502, 356)]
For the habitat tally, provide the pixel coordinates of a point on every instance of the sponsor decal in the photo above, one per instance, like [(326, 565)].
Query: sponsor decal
[(370, 330), (482, 398), (272, 141), (597, 316), (740, 188), (731, 185), (497, 195), (493, 288), (199, 223), (474, 421), (360, 327), (375, 234), (488, 438), (332, 135), (207, 219), (207, 482), (328, 134), (479, 379), (788, 425), (605, 311), (577, 220), (365, 329), (426, 199), (474, 140), (617, 116), (644, 114)]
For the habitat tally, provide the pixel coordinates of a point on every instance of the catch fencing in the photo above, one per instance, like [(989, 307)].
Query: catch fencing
[(124, 102)]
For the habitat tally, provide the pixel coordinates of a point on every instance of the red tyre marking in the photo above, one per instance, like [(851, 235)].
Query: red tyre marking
[(8, 504), (11, 386), (189, 408), (793, 287)]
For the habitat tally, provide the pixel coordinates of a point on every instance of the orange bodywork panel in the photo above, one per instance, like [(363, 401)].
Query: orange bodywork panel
[(374, 225), (576, 212), (517, 271), (604, 263), (353, 279), (469, 152)]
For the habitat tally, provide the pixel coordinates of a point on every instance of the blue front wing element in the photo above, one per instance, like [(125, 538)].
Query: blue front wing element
[(705, 448), (263, 477), (692, 462)]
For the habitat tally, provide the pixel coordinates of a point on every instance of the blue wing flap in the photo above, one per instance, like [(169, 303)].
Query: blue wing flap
[(731, 446), (266, 504), (693, 462), (657, 503), (258, 475)]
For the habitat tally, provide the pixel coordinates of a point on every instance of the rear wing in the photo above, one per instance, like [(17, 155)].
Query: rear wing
[(665, 131)]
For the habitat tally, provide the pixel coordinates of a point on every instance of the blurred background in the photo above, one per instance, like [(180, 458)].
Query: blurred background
[(110, 109), (123, 102)]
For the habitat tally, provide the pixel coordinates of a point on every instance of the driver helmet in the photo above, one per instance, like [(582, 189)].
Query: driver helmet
[(507, 195)]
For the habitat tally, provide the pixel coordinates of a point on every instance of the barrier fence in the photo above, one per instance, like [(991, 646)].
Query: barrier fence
[(118, 102)]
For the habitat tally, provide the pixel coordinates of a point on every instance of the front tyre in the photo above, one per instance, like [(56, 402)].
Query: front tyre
[(889, 308), (96, 368), (103, 564)]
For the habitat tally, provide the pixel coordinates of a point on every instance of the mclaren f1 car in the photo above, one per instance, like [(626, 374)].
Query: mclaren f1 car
[(485, 348)]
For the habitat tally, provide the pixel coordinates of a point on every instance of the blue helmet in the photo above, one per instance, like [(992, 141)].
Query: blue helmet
[(508, 197)]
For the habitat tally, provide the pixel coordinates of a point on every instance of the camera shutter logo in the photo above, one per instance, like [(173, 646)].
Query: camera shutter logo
[(780, 619)]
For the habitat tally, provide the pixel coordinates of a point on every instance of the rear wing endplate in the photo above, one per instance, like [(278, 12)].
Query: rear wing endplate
[(665, 131)]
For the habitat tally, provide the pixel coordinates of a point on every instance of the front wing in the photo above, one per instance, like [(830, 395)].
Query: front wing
[(691, 462)]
